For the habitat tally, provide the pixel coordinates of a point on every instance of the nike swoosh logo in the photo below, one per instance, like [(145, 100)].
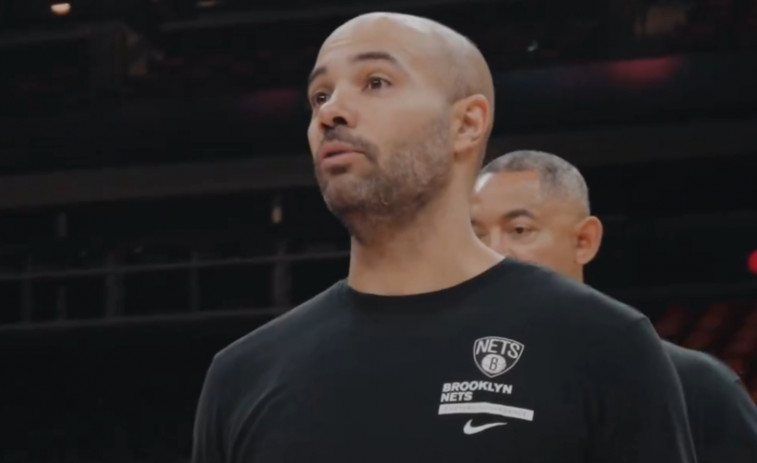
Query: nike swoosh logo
[(470, 429)]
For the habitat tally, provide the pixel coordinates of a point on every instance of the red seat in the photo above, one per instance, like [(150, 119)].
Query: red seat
[(715, 317), (709, 327), (750, 319), (671, 323), (743, 342)]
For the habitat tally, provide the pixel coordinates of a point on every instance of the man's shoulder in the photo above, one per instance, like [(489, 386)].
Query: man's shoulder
[(296, 324), (698, 369), (565, 300), (723, 414)]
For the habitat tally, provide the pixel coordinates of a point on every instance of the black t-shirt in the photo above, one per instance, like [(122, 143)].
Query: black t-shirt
[(722, 416), (516, 365)]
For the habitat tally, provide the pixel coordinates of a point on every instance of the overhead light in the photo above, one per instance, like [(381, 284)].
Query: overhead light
[(60, 9)]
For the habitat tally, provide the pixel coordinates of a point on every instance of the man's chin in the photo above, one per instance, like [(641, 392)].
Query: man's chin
[(340, 197)]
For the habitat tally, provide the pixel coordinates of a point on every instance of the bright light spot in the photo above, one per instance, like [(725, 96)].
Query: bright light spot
[(752, 262), (60, 9)]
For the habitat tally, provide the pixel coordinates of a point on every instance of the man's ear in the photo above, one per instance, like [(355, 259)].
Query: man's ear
[(472, 116), (588, 234)]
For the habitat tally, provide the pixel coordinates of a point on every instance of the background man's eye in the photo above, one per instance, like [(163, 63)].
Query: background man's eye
[(376, 82)]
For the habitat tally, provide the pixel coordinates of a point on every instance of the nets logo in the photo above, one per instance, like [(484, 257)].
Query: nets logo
[(495, 356)]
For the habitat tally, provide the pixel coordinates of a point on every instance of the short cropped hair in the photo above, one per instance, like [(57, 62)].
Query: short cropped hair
[(558, 176)]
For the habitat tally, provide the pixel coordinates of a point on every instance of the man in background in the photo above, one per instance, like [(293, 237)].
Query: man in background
[(534, 206)]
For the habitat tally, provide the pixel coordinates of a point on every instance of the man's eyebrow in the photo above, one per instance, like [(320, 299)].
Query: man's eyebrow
[(366, 56), (317, 72), (516, 213), (375, 56)]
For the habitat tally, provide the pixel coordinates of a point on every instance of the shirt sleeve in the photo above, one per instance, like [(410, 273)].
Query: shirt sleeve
[(725, 417), (638, 408), (208, 439)]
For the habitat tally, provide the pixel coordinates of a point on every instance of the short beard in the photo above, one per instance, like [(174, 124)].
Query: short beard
[(389, 198)]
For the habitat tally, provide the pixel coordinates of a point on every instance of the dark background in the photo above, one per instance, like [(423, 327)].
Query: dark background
[(157, 198)]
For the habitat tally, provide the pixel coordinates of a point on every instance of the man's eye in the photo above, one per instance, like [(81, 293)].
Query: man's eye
[(521, 231), (375, 83), (318, 99)]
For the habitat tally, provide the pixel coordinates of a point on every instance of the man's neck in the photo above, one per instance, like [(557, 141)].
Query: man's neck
[(438, 250)]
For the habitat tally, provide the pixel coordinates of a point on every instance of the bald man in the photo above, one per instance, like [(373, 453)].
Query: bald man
[(534, 206), (423, 354)]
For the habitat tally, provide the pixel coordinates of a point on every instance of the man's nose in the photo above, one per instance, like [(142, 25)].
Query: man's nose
[(337, 111)]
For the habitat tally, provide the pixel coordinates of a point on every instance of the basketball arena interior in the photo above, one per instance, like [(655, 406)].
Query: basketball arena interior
[(157, 196)]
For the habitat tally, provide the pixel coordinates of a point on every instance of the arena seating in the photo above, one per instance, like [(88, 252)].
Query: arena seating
[(727, 330)]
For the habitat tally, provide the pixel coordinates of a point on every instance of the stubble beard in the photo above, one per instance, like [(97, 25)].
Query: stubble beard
[(375, 205)]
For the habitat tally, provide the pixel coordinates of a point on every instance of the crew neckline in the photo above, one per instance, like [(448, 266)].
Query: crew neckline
[(423, 302)]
